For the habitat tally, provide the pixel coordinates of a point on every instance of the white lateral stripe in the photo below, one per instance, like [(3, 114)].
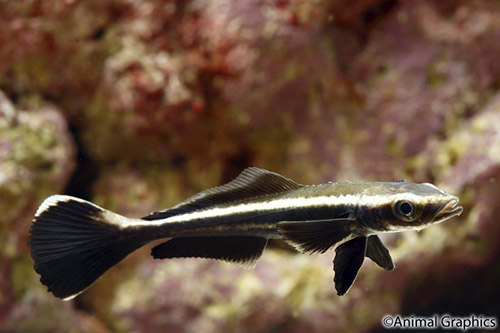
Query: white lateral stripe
[(287, 203), (367, 201)]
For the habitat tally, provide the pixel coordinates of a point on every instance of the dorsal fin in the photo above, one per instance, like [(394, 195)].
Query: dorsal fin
[(251, 183)]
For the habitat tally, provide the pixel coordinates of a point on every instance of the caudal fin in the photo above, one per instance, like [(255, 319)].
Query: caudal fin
[(73, 242)]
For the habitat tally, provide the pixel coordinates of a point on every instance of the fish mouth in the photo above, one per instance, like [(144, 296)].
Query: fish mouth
[(449, 210)]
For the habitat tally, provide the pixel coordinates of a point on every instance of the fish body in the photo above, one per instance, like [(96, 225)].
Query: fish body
[(73, 241)]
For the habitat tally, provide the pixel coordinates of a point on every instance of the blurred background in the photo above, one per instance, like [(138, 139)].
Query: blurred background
[(138, 104)]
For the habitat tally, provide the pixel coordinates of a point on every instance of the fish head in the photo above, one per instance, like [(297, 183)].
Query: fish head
[(400, 206)]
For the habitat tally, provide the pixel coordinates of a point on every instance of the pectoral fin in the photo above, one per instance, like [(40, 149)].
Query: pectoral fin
[(315, 236), (376, 251), (242, 250), (348, 260)]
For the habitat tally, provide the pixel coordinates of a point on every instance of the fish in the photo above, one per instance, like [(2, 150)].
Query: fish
[(73, 242)]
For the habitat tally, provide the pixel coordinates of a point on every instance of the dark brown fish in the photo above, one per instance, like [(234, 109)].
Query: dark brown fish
[(73, 241)]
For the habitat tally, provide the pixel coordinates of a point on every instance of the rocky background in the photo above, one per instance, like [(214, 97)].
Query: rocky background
[(138, 104)]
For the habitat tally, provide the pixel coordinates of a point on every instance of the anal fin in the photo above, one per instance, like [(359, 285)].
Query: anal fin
[(242, 250), (376, 251), (315, 236)]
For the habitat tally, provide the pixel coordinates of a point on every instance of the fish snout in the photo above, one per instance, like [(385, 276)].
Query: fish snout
[(448, 210)]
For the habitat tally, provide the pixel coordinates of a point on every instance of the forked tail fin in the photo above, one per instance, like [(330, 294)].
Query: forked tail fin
[(73, 242)]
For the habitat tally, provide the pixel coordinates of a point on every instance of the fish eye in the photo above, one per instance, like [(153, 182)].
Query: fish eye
[(405, 210)]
